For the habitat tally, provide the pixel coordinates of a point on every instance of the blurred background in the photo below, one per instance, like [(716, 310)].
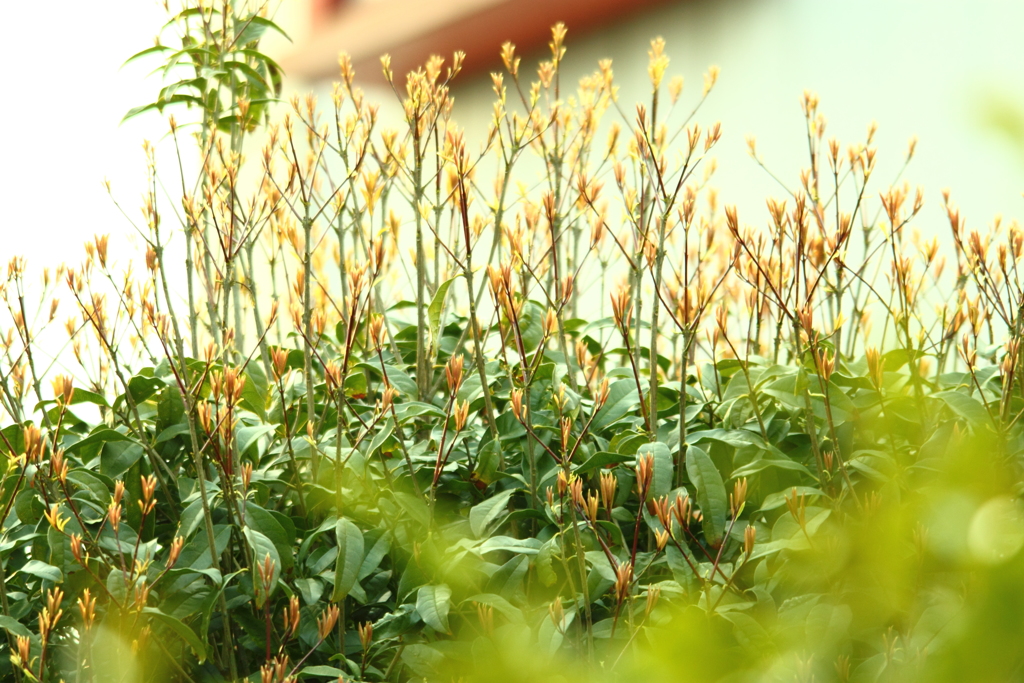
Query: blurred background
[(951, 73)]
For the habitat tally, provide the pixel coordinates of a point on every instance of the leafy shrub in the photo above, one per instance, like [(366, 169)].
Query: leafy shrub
[(325, 459)]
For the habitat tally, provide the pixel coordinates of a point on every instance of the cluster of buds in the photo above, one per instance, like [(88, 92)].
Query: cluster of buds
[(609, 486), (622, 309), (326, 621), (502, 289), (683, 511), (557, 614), (332, 374), (97, 249), (644, 475), (563, 480), (484, 614), (140, 594), (279, 362), (291, 618), (87, 608), (204, 411), (63, 389), (565, 431), (50, 614), (653, 595), (454, 373), (175, 552), (276, 671), (576, 491), (34, 443), (56, 520), (23, 657), (114, 511), (565, 289), (460, 413), (148, 501), (876, 366), (1009, 362), (797, 504), (623, 580), (365, 635), (829, 460), (738, 497), (228, 384), (550, 323), (826, 363), (59, 466), (77, 550), (387, 399), (375, 330), (969, 355), (266, 570), (590, 506), (516, 401)]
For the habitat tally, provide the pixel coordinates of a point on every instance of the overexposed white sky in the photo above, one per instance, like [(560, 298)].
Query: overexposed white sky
[(60, 122)]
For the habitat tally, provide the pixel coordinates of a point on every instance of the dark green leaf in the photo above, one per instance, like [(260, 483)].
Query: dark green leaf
[(350, 558), (711, 494), (432, 603)]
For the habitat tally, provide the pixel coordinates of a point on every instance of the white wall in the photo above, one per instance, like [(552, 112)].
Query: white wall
[(918, 67)]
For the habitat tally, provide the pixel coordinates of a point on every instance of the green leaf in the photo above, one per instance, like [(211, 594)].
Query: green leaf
[(967, 407), (522, 546), (325, 671), (414, 506), (183, 631), (84, 396), (141, 387), (310, 590), (382, 436), (99, 436), (531, 322), (423, 659), (254, 27), (435, 309), (482, 515), (256, 391), (246, 437), (350, 558), (264, 522), (664, 468), (91, 485), (42, 570), (156, 49), (500, 604), (14, 627), (622, 397), (711, 494), (544, 562), (117, 458), (261, 548), (487, 461), (374, 555), (432, 603), (602, 459), (762, 464)]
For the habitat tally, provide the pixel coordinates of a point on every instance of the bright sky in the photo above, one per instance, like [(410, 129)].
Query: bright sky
[(60, 122)]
